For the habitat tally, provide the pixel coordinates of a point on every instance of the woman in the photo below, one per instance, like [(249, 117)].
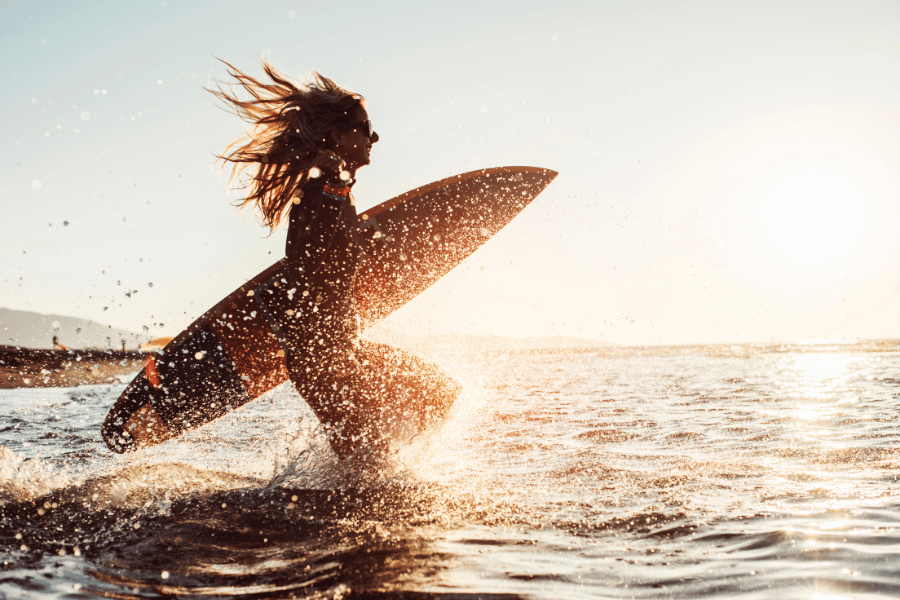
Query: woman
[(299, 163)]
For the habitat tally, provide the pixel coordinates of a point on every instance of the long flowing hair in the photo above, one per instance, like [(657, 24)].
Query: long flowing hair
[(290, 123)]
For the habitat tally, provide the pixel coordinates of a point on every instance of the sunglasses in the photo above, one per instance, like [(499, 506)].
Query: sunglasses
[(365, 126)]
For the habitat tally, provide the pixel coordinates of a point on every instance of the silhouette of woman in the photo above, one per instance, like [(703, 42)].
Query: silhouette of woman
[(299, 163)]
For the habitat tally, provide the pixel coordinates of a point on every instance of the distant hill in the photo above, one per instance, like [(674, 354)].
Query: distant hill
[(35, 330)]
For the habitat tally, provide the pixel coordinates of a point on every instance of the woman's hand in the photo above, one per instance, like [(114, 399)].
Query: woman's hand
[(331, 164)]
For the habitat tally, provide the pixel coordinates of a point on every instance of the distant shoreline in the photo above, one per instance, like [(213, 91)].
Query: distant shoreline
[(33, 368)]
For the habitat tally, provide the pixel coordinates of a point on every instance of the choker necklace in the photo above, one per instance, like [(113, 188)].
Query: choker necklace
[(337, 190)]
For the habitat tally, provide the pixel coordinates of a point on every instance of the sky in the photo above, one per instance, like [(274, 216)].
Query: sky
[(729, 172)]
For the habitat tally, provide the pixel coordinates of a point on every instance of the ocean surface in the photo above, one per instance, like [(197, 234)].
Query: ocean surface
[(685, 472)]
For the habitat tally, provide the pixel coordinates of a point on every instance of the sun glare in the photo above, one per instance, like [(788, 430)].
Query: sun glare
[(806, 213), (814, 218)]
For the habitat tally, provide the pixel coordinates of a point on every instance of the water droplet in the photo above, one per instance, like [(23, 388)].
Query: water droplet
[(85, 115), (164, 574), (36, 184)]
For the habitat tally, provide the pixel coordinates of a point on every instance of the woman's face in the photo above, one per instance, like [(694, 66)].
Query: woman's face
[(354, 145)]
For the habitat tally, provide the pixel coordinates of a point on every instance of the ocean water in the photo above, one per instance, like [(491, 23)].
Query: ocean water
[(691, 472)]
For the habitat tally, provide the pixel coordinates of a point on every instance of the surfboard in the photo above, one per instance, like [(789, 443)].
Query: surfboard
[(231, 354)]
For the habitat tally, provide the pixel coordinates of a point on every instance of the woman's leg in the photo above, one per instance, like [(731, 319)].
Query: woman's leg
[(329, 382), (359, 396), (405, 385)]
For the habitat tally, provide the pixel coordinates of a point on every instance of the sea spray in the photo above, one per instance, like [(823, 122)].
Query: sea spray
[(23, 480)]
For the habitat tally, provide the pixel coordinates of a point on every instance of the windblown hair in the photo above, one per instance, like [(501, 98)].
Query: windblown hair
[(291, 122)]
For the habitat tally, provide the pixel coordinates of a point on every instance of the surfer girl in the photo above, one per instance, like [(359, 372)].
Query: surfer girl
[(298, 164)]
